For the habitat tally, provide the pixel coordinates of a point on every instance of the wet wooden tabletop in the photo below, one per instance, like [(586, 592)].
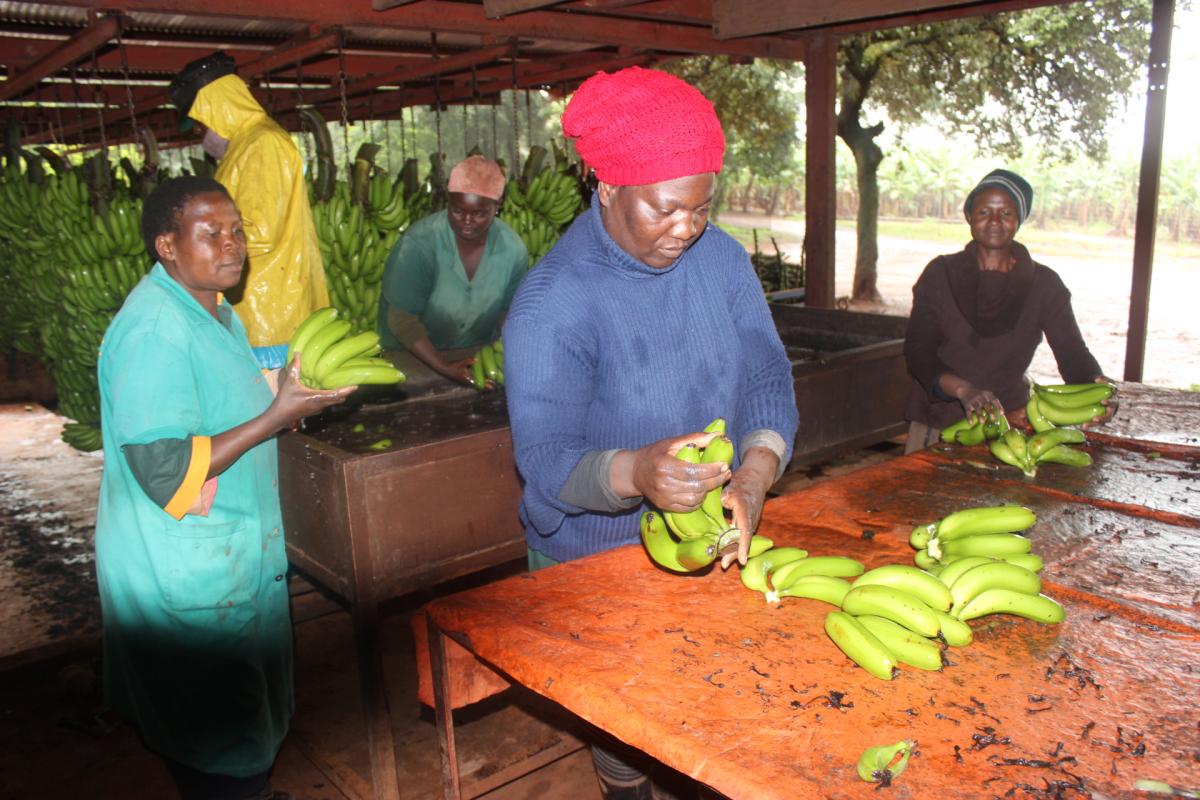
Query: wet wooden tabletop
[(757, 702)]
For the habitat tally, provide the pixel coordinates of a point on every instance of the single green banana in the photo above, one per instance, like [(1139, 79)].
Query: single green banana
[(1033, 411), (1071, 416), (996, 428), (993, 544), (814, 587), (983, 520), (894, 604), (758, 546), (478, 376), (1088, 394), (720, 449), (957, 566), (1000, 449), (1017, 443), (755, 571), (954, 632), (906, 646), (1072, 388), (716, 426), (362, 376), (921, 535), (925, 561), (337, 354), (970, 436), (916, 582), (1041, 442), (316, 346), (1030, 561), (487, 356), (1065, 454), (829, 566), (1037, 607), (860, 645), (696, 554), (883, 764), (661, 548), (950, 431), (997, 575), (305, 330)]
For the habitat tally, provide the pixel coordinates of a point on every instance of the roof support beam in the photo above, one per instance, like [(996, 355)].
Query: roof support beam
[(820, 168), (288, 53), (70, 51), (494, 9)]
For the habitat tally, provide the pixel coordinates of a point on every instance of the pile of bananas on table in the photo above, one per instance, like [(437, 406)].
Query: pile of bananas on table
[(71, 248), (971, 564), (1047, 409), (487, 367), (690, 541), (333, 356), (541, 202)]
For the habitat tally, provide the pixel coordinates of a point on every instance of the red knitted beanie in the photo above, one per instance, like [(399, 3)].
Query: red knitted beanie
[(640, 126)]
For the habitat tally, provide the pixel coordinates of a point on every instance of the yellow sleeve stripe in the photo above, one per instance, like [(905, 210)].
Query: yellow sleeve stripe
[(193, 480)]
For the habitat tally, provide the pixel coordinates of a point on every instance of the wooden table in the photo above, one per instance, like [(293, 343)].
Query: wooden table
[(755, 701)]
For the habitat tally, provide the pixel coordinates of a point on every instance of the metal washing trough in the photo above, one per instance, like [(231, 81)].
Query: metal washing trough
[(440, 501)]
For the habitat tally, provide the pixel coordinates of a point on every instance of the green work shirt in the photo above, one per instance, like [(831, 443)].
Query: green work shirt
[(197, 635), (425, 277)]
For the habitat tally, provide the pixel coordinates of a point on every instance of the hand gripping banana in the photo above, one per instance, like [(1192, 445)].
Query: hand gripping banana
[(814, 587), (996, 575), (1037, 607), (754, 573), (695, 523), (928, 588), (984, 520), (894, 604), (862, 646), (882, 764), (994, 544), (906, 646), (953, 631)]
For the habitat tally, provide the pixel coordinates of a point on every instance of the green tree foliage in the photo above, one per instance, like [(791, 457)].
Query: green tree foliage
[(1053, 75), (757, 105)]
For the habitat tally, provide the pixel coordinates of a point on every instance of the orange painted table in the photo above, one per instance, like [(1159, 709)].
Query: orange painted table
[(755, 701)]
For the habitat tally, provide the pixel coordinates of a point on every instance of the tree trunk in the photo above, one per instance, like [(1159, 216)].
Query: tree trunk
[(867, 156)]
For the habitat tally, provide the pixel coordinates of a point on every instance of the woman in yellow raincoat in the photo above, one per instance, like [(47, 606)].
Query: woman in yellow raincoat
[(262, 169)]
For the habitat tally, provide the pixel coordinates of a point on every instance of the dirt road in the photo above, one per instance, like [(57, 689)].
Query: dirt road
[(1099, 279)]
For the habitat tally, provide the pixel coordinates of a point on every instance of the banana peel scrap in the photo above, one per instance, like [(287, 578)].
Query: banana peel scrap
[(884, 764)]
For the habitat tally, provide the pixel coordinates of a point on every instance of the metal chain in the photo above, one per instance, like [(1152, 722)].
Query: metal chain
[(342, 91), (528, 122), (309, 154), (125, 75), (403, 138), (78, 100), (101, 102), (516, 127), (58, 104), (387, 140)]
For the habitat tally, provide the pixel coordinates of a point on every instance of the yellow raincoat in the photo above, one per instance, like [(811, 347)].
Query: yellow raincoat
[(263, 172)]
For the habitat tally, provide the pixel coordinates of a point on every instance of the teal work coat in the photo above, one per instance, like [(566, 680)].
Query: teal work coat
[(197, 635)]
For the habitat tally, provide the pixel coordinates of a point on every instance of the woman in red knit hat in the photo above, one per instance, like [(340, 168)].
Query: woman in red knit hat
[(642, 325)]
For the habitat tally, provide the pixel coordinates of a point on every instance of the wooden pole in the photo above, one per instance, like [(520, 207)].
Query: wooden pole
[(820, 170)]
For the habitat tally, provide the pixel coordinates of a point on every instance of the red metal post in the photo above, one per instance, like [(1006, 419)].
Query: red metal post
[(1147, 208)]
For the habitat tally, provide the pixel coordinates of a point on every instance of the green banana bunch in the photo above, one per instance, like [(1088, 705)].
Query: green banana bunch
[(983, 531), (975, 431), (784, 578), (685, 556), (756, 572), (883, 764), (708, 519), (1050, 445), (487, 367), (542, 201), (332, 357)]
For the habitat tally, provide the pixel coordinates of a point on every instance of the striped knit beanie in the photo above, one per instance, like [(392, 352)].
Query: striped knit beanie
[(639, 126), (1009, 182)]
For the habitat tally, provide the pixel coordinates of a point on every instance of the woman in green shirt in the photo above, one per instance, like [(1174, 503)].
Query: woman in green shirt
[(449, 280), (190, 555)]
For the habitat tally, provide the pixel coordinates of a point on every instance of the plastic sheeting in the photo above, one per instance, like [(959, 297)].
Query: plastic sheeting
[(755, 700)]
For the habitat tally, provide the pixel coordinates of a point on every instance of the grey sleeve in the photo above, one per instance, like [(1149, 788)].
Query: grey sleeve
[(589, 486), (770, 440)]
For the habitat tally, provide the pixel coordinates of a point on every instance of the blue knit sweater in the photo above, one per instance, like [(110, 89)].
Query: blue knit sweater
[(604, 352)]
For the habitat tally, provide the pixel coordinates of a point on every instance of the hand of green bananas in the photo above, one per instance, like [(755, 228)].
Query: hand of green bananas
[(332, 359), (1051, 406), (681, 537), (487, 366)]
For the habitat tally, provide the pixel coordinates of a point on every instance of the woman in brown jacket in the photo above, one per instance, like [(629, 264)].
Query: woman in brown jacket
[(978, 316)]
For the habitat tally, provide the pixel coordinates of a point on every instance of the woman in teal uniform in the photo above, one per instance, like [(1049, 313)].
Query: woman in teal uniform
[(449, 280), (190, 553)]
